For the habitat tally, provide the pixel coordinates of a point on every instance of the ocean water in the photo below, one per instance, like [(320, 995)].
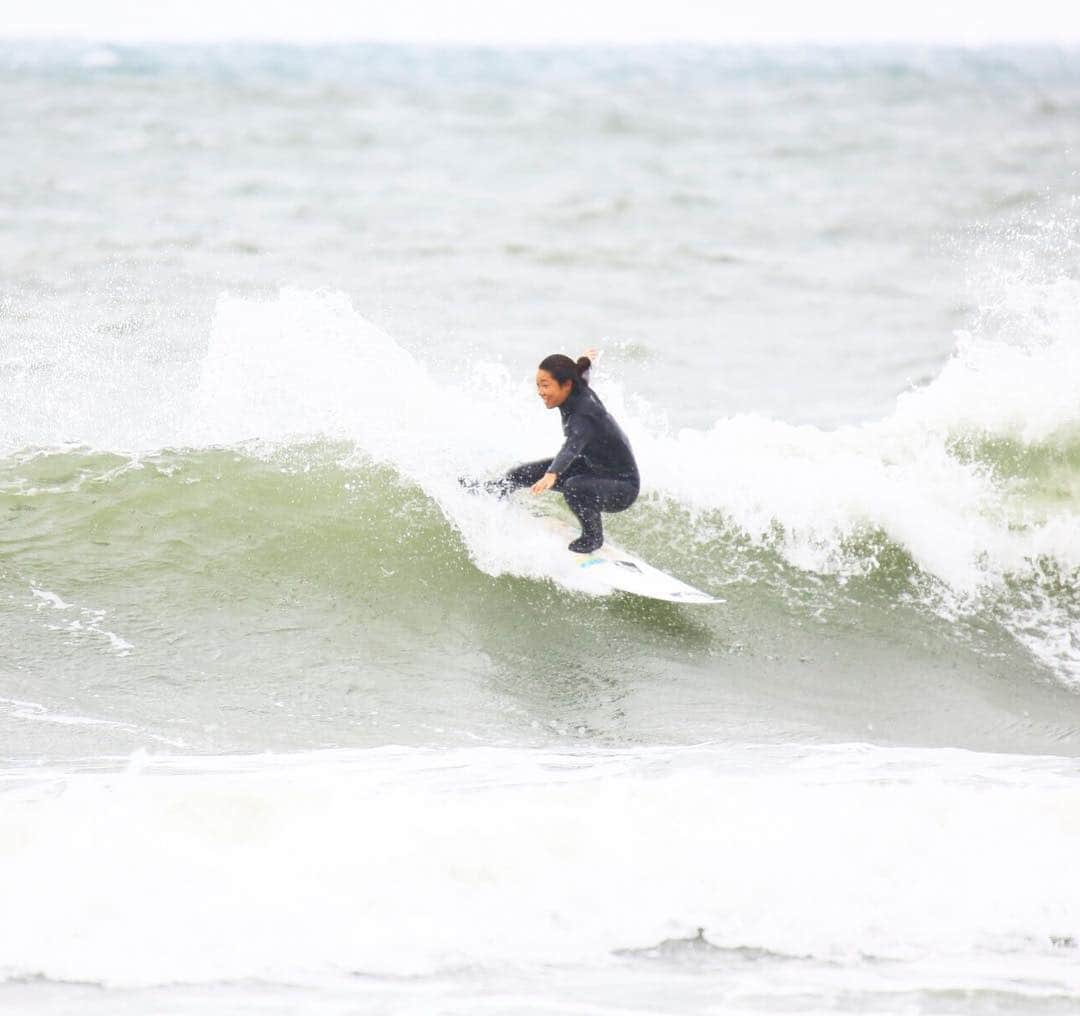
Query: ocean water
[(289, 723)]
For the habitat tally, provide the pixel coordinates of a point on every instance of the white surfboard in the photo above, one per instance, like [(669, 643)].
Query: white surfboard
[(612, 569)]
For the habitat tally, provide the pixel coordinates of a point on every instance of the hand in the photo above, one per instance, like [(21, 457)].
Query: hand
[(546, 482), (592, 354)]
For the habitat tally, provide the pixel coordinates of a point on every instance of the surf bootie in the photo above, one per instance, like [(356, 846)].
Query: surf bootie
[(473, 485), (585, 544), (497, 488), (592, 534)]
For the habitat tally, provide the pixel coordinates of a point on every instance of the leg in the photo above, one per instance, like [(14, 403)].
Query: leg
[(587, 496)]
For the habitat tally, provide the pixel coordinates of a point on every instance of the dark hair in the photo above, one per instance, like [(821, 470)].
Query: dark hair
[(563, 369)]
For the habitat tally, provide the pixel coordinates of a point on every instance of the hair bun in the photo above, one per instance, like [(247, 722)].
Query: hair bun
[(583, 364)]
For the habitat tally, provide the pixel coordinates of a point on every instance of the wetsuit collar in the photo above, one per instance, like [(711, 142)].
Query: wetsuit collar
[(571, 403)]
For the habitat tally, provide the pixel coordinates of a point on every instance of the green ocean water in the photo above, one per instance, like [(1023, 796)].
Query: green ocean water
[(321, 600)]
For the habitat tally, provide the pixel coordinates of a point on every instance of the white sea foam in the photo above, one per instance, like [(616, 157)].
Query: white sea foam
[(51, 599), (35, 712), (402, 861), (88, 622)]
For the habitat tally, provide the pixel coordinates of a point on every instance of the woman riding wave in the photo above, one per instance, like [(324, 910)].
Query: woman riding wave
[(595, 469)]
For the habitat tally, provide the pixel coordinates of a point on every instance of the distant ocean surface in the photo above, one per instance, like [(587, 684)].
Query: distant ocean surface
[(290, 723)]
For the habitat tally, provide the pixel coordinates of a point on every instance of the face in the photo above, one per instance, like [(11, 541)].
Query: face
[(550, 391)]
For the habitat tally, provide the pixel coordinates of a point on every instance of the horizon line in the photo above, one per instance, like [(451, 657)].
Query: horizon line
[(869, 42)]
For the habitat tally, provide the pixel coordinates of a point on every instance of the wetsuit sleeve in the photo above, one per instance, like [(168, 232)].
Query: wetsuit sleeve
[(578, 431)]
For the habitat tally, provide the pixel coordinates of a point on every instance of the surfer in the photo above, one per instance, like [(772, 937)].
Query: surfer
[(595, 469)]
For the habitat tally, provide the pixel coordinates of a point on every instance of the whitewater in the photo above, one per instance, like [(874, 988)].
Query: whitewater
[(290, 722)]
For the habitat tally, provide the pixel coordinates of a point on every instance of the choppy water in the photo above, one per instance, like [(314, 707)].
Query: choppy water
[(289, 722)]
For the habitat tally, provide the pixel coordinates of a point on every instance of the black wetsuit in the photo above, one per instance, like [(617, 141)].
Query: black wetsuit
[(596, 468)]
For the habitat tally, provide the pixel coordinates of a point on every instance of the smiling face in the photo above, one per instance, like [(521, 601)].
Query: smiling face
[(550, 391)]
